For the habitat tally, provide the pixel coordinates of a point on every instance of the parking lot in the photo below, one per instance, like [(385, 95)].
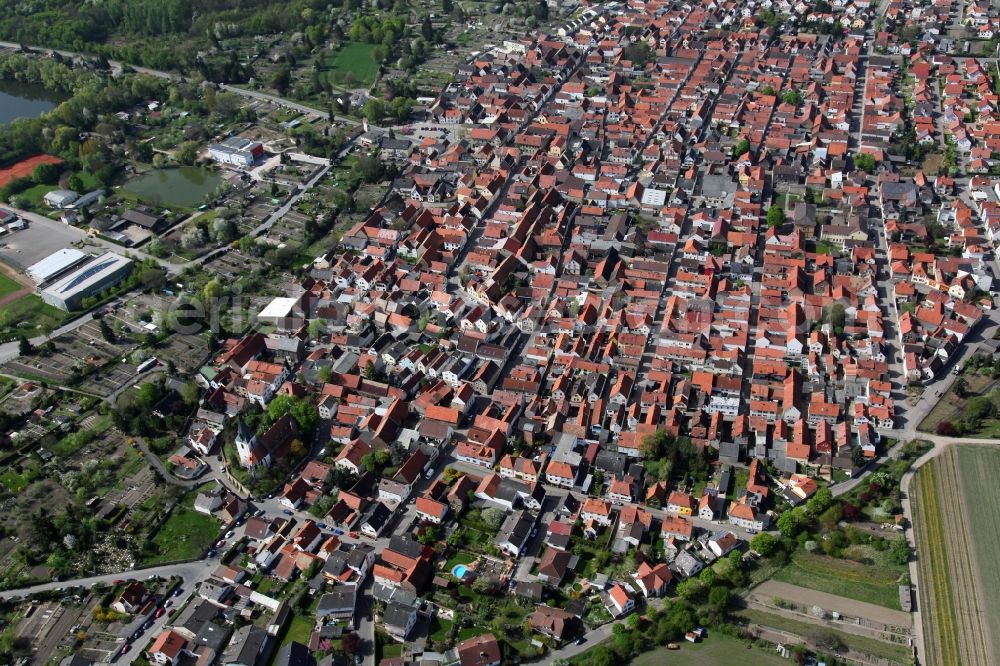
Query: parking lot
[(42, 237)]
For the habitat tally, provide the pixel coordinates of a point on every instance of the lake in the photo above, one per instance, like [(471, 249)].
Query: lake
[(25, 100), (182, 186)]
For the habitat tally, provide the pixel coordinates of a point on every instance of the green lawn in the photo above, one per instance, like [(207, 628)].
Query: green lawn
[(356, 58), (461, 557), (15, 481), (471, 632), (89, 180), (8, 286), (716, 650), (440, 628), (29, 315), (299, 630), (874, 584), (894, 652), (185, 535), (34, 194)]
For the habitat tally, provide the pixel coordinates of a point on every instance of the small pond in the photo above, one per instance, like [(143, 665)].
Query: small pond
[(183, 186), (25, 100)]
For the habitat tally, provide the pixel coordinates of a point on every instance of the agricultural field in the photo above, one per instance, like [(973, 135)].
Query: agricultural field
[(949, 507), (979, 468), (874, 584)]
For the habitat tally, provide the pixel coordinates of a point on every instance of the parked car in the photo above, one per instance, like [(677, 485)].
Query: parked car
[(322, 526), (353, 535), (338, 531), (287, 512)]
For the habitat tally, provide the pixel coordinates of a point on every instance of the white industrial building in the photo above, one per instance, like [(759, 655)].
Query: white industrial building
[(87, 279), (236, 151), (55, 264)]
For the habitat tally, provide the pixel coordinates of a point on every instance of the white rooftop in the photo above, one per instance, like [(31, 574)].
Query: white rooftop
[(278, 308), (54, 263)]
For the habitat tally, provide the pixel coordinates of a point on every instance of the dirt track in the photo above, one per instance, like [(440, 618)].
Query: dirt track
[(831, 602)]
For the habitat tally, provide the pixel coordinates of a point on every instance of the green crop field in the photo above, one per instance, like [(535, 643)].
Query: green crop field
[(874, 584), (358, 60), (980, 469), (955, 517), (8, 286)]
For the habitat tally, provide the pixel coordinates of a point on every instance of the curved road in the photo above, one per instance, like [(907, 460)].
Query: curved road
[(188, 572)]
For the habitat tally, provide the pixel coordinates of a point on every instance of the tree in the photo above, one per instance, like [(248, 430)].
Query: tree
[(493, 517), (369, 371), (303, 412), (742, 148), (900, 551), (46, 174), (281, 80), (858, 456), (373, 110), (792, 97), (24, 346), (719, 598), (837, 317), (212, 290), (790, 523), (483, 585), (819, 502), (764, 543), (187, 153), (961, 387), (775, 216), (865, 162), (978, 408), (427, 29), (541, 11), (376, 461), (106, 331), (189, 393)]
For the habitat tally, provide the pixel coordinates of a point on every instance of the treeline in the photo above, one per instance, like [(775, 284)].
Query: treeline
[(58, 132), (149, 17), (183, 27)]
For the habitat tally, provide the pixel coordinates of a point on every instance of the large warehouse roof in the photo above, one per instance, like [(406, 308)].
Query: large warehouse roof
[(80, 280), (54, 264)]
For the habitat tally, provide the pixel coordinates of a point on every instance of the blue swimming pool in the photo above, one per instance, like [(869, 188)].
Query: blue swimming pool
[(458, 571)]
